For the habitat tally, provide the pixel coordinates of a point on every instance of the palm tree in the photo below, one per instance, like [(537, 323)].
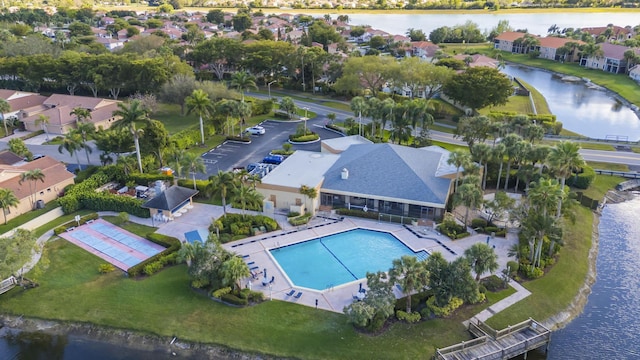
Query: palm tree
[(81, 114), (459, 158), (85, 129), (543, 197), (246, 196), (199, 103), (190, 251), (7, 200), (359, 106), (174, 157), (374, 107), (32, 176), (5, 107), (194, 164), (43, 120), (243, 81), (221, 183), (233, 270), (482, 258), (308, 192), (410, 274), (497, 154), (72, 143), (511, 150), (128, 164), (130, 115), (388, 105), (468, 194), (482, 153), (564, 159)]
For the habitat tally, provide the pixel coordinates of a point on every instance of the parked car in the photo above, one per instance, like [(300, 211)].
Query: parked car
[(255, 130), (273, 159)]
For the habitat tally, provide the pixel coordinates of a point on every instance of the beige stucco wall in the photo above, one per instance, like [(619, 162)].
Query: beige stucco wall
[(46, 194), (284, 197)]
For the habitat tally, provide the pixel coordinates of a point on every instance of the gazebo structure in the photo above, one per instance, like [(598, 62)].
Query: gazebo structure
[(171, 203)]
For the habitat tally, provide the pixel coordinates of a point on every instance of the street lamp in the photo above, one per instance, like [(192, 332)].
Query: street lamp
[(269, 87), (270, 292)]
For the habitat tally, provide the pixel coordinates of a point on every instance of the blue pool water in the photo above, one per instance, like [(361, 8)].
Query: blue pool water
[(340, 258)]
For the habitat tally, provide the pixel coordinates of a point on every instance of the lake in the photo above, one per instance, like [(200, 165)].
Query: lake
[(536, 23), (587, 111)]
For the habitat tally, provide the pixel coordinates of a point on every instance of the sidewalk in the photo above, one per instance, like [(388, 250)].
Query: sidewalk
[(485, 314), (36, 140)]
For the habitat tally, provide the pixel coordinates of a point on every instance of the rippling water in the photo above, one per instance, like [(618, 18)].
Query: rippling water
[(609, 328)]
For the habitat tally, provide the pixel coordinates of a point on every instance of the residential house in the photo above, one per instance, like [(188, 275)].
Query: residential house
[(19, 100), (549, 46), (111, 43), (613, 33), (478, 60), (56, 177), (58, 107), (425, 50), (507, 41), (414, 182), (612, 59)]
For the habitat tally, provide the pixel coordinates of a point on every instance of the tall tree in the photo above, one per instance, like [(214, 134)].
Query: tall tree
[(130, 116), (308, 192), (194, 164), (86, 129), (72, 143), (460, 159), (7, 200), (410, 274), (468, 194), (32, 176), (246, 196), (199, 103), (564, 159), (243, 81), (359, 106), (481, 153), (81, 114), (233, 270), (478, 87), (43, 120), (15, 251), (481, 258), (221, 183)]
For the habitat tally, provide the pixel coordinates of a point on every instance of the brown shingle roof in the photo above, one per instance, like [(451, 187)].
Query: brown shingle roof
[(9, 158), (54, 173)]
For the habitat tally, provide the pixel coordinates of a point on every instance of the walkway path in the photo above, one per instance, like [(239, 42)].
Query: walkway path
[(485, 314)]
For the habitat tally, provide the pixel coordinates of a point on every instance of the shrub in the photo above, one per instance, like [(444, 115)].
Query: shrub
[(532, 272), (460, 235), (220, 292), (493, 283), (451, 228), (201, 185), (482, 289), (411, 318), (334, 128), (478, 223), (105, 268), (584, 179), (256, 296), (261, 107), (513, 266), (232, 299), (300, 220), (152, 268), (293, 214), (358, 213), (172, 246), (304, 138), (446, 310), (377, 322), (239, 138)]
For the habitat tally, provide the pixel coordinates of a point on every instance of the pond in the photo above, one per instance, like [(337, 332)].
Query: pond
[(586, 110)]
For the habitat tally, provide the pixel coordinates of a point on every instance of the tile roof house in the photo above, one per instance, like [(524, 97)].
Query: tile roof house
[(385, 178), (612, 59), (505, 41), (58, 108), (616, 33), (425, 50), (478, 60), (549, 46), (56, 177)]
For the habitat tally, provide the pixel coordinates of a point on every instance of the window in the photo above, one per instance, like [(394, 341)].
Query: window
[(49, 190)]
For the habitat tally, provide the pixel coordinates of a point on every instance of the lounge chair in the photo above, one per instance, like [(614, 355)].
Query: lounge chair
[(251, 263), (255, 268), (273, 278), (298, 295), (399, 288), (245, 256), (291, 292)]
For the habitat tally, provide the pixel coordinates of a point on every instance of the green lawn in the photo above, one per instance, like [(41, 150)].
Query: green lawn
[(601, 185), (169, 115), (26, 217), (165, 305), (608, 166), (516, 103)]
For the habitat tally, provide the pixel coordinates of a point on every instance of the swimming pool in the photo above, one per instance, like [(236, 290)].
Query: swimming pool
[(340, 258)]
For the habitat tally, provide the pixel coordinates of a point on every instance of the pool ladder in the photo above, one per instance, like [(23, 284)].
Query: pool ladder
[(329, 287)]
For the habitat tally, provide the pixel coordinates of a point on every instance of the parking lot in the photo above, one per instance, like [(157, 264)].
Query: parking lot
[(230, 155)]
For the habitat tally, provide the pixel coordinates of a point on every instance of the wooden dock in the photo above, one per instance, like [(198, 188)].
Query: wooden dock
[(491, 344)]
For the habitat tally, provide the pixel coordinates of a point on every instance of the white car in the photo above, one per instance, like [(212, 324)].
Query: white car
[(255, 130)]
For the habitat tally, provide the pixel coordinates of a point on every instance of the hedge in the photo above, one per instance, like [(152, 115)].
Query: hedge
[(260, 107), (584, 179), (191, 136), (201, 185), (62, 228), (300, 220), (161, 259), (232, 299), (304, 138), (358, 213), (84, 195), (239, 138)]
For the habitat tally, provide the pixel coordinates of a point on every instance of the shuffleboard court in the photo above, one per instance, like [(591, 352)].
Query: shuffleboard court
[(113, 244)]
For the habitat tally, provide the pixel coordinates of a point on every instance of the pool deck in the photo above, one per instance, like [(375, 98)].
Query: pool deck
[(336, 298)]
